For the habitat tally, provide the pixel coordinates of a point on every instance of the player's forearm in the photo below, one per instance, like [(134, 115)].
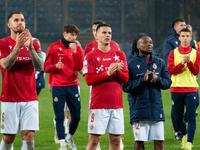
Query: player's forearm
[(9, 61), (38, 63)]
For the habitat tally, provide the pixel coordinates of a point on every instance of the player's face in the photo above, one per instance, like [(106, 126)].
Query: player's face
[(185, 38), (70, 36), (94, 27), (104, 35), (179, 26), (145, 45), (17, 23)]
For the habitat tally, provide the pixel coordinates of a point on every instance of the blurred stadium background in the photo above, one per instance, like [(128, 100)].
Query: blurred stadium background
[(45, 18)]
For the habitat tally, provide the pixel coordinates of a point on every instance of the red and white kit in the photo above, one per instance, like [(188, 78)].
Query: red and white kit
[(18, 84), (106, 91)]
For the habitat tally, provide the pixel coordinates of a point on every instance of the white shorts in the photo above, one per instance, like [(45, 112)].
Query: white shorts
[(19, 114), (148, 130), (102, 119)]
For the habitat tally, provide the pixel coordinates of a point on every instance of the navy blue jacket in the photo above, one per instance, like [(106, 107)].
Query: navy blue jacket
[(144, 98), (173, 42)]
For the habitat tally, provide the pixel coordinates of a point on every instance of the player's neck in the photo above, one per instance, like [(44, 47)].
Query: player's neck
[(104, 48), (13, 35)]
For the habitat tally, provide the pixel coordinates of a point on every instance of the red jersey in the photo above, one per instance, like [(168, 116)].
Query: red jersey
[(94, 45), (18, 83), (107, 92), (73, 62)]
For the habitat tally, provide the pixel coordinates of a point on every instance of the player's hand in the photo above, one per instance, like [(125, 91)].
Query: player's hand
[(20, 40), (155, 77), (73, 47), (112, 68), (29, 42), (186, 59), (78, 43), (120, 66), (146, 76), (59, 65), (50, 87)]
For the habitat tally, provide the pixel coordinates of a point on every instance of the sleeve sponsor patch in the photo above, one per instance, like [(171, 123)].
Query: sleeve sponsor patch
[(85, 67)]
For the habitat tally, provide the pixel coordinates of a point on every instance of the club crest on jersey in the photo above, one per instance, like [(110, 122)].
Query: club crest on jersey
[(98, 58), (91, 126), (60, 49), (116, 57), (10, 47), (56, 99), (176, 42), (138, 66), (2, 126), (93, 48), (154, 66)]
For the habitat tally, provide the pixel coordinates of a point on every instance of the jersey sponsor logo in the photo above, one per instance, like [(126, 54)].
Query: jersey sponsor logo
[(85, 69), (116, 57), (23, 58), (138, 66), (154, 66), (99, 69), (139, 74), (60, 54), (106, 59)]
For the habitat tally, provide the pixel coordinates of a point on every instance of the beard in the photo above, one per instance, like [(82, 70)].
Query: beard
[(146, 52)]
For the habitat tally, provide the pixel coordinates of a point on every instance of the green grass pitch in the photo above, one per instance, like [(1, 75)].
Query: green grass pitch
[(44, 139)]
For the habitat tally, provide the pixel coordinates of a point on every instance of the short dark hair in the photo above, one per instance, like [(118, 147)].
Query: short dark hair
[(12, 13), (185, 30), (102, 25), (97, 22), (71, 29), (177, 20), (134, 45)]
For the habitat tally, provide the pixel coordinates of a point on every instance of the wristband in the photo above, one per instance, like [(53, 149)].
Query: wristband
[(108, 74)]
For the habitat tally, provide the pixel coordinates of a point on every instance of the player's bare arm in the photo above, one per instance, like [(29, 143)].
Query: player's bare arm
[(38, 63), (9, 61)]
